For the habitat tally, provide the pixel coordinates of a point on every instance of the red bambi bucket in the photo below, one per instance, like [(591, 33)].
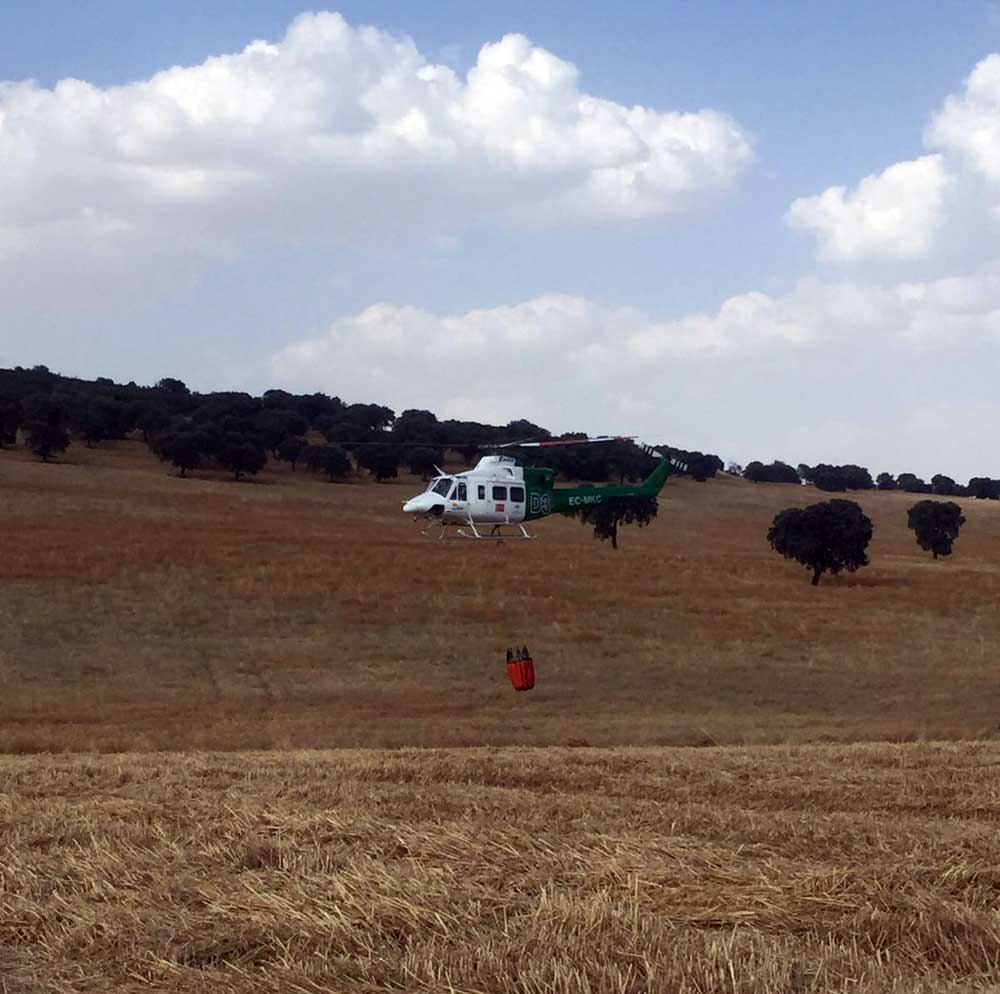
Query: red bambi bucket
[(521, 673)]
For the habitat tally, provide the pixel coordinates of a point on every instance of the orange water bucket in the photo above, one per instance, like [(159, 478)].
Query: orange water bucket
[(521, 673)]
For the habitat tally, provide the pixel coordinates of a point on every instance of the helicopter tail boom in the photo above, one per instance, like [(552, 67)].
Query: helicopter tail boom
[(562, 500), (653, 484)]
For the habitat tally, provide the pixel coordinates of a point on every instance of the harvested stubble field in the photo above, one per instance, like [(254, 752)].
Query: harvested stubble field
[(141, 611), (869, 868)]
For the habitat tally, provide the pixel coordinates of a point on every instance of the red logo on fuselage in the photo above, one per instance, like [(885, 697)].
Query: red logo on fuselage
[(499, 507)]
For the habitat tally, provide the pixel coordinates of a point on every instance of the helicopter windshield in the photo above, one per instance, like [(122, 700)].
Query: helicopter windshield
[(441, 486)]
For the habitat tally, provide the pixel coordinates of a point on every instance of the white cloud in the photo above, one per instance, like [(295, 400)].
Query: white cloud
[(968, 126), (898, 373), (941, 206), (550, 351), (831, 371), (338, 130), (893, 216), (351, 133)]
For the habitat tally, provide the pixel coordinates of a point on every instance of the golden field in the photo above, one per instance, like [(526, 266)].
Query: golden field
[(141, 611), (217, 640), (747, 870)]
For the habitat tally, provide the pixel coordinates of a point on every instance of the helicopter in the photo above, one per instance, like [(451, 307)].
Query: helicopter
[(499, 494)]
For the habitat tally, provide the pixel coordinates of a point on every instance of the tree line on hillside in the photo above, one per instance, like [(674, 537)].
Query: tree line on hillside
[(839, 479), (240, 432), (833, 535)]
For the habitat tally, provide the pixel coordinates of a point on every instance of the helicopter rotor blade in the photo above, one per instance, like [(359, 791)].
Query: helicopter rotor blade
[(551, 442)]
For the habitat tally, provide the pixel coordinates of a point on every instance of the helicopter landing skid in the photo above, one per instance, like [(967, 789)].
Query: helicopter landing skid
[(496, 534), (469, 530)]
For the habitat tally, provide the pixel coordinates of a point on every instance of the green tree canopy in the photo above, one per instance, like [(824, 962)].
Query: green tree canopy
[(423, 461), (382, 461), (274, 425), (171, 385), (46, 440), (936, 524), (45, 417), (151, 417), (838, 478), (329, 459), (827, 537), (290, 449), (96, 418), (912, 484), (182, 445), (945, 486), (418, 427), (775, 472), (607, 516), (10, 418), (984, 488), (243, 454)]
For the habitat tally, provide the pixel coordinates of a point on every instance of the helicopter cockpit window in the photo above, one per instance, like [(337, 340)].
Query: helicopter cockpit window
[(442, 486)]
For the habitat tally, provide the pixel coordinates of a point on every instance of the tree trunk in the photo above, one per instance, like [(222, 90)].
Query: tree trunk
[(614, 537), (935, 553), (183, 473), (817, 572)]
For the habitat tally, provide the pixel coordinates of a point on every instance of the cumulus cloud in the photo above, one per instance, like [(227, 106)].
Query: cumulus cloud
[(893, 216), (830, 371), (929, 208), (894, 372), (339, 130), (967, 128), (545, 351)]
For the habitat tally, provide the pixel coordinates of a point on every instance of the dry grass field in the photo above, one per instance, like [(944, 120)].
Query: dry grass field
[(143, 613), (140, 611), (744, 870)]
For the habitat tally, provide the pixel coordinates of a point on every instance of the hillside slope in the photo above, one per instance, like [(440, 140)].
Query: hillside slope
[(142, 611)]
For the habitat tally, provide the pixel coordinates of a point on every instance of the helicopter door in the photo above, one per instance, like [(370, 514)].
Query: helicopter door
[(516, 503), (460, 494), (498, 508)]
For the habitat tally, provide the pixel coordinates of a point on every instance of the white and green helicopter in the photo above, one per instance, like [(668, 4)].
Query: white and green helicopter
[(501, 495)]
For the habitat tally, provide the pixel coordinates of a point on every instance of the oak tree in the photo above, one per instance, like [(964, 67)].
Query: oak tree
[(830, 536), (936, 524)]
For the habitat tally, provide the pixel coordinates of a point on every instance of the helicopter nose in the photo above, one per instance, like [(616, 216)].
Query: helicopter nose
[(424, 504)]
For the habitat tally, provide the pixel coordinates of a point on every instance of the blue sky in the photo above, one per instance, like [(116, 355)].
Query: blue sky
[(305, 284)]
